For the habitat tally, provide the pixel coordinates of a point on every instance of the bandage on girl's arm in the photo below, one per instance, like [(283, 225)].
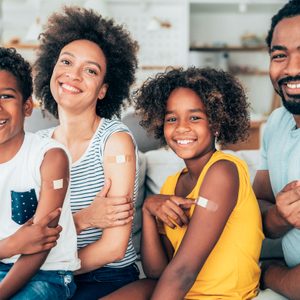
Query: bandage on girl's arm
[(54, 166), (217, 198)]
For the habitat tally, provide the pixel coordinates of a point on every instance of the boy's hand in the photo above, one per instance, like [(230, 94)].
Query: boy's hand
[(36, 237), (166, 207)]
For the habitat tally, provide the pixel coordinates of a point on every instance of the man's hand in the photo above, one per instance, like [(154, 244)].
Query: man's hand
[(288, 203), (107, 212), (36, 237), (166, 207)]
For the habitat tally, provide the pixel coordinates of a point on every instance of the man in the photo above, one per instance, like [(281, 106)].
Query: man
[(278, 180)]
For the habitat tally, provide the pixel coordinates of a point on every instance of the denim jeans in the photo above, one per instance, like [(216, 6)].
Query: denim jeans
[(103, 281), (44, 285)]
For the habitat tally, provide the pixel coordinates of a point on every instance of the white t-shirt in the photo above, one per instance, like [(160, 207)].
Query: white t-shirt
[(20, 179)]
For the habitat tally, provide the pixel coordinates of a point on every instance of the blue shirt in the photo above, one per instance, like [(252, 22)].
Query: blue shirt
[(280, 155)]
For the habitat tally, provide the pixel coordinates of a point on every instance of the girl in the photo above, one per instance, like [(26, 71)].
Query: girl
[(212, 251)]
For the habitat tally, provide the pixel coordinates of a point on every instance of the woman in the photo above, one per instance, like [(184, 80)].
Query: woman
[(84, 69)]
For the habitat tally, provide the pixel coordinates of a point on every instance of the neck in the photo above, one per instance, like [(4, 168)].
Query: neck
[(11, 147), (195, 166), (297, 120), (76, 127)]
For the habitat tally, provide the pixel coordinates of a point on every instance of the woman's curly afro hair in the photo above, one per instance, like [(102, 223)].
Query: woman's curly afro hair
[(222, 95), (289, 10), (11, 61), (76, 23)]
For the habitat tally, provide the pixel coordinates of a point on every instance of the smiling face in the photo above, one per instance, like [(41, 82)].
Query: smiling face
[(285, 62), (186, 127), (12, 113), (77, 80)]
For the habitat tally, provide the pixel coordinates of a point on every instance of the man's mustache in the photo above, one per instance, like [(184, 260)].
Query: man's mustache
[(288, 79)]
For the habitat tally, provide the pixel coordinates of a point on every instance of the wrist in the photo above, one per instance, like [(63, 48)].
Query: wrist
[(11, 248), (80, 220)]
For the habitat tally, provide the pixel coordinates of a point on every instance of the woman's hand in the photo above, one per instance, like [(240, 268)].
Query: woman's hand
[(105, 212), (166, 207)]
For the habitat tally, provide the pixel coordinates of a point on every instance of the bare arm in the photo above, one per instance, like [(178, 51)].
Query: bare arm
[(114, 240), (104, 212), (54, 166), (282, 280), (154, 257), (283, 216), (220, 186), (32, 237)]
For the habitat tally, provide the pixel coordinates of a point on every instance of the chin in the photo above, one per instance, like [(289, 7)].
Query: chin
[(292, 105)]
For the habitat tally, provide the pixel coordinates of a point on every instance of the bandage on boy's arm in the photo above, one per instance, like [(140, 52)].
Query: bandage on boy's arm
[(54, 166), (114, 241)]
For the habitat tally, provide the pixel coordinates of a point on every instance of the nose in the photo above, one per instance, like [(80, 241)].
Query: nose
[(292, 67), (183, 127), (74, 74)]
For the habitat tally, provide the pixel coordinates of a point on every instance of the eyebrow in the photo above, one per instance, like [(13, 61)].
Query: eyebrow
[(8, 89), (277, 47), (190, 110), (88, 61)]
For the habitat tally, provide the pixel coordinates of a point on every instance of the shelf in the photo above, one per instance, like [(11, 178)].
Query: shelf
[(228, 49), (21, 46)]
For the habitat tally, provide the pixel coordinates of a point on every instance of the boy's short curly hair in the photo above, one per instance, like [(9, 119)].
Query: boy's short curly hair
[(289, 10), (11, 61), (222, 95), (76, 23)]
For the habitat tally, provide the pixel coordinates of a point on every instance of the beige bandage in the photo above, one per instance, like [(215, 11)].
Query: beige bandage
[(55, 184), (205, 203), (119, 159)]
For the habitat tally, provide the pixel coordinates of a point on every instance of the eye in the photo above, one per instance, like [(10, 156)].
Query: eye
[(170, 120), (6, 96), (91, 71), (278, 56), (65, 61), (195, 118)]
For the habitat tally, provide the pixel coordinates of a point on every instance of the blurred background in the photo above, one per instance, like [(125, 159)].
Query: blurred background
[(223, 34)]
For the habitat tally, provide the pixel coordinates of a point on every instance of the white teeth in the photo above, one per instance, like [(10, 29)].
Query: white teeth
[(184, 142), (293, 85), (70, 88), (2, 122)]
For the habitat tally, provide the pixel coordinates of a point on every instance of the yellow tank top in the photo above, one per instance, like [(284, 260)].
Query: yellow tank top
[(231, 271)]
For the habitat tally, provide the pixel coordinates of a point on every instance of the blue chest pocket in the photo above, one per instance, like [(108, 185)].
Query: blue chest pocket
[(23, 206)]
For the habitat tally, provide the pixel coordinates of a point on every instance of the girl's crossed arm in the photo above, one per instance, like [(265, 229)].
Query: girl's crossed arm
[(220, 186), (54, 167)]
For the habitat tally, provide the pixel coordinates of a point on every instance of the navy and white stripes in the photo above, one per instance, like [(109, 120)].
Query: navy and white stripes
[(87, 179)]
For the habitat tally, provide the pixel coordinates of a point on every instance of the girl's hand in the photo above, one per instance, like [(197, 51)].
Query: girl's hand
[(36, 237), (166, 207)]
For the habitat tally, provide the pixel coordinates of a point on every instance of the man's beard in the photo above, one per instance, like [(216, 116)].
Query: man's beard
[(290, 102)]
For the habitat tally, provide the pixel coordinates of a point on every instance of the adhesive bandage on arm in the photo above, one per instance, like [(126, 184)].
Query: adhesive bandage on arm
[(119, 159), (56, 184), (208, 204)]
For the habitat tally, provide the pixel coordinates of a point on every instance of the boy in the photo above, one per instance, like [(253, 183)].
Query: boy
[(33, 182)]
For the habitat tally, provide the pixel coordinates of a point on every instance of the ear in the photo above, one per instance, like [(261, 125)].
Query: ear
[(102, 91), (28, 107)]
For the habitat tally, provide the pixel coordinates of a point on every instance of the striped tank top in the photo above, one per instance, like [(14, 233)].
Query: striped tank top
[(87, 179)]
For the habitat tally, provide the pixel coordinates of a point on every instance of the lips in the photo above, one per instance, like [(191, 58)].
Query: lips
[(3, 122), (185, 141), (70, 88)]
